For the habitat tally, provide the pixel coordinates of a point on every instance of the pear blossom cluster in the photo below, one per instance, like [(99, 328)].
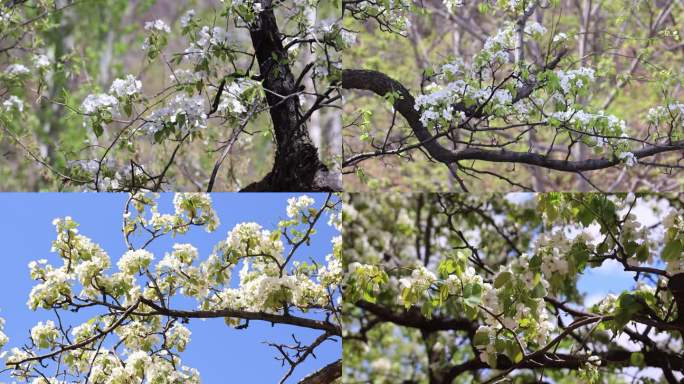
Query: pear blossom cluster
[(185, 112), (267, 282), (135, 260), (157, 25), (44, 335), (297, 204), (419, 282), (666, 114), (41, 61), (13, 103), (16, 70), (575, 79), (99, 102), (126, 87)]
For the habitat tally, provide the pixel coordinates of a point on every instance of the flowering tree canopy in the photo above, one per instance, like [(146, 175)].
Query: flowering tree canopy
[(139, 328), (134, 101), (462, 289), (552, 88)]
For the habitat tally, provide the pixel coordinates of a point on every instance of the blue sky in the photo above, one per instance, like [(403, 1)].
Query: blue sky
[(216, 350)]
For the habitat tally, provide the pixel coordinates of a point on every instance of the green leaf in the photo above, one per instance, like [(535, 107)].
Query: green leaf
[(97, 128), (672, 250), (642, 252), (481, 338), (538, 292), (502, 278), (637, 359)]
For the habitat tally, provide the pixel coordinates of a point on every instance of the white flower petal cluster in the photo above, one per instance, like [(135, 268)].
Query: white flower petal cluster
[(56, 286), (206, 40), (295, 205), (157, 25), (182, 255), (83, 332), (231, 98), (209, 37), (44, 335), (671, 114), (497, 47), (41, 61), (13, 103), (534, 29), (16, 70), (139, 367), (628, 158), (137, 362), (183, 111), (560, 37), (186, 76), (196, 207), (134, 260), (187, 18), (575, 79), (252, 239), (97, 102), (178, 337), (332, 273), (127, 86), (420, 280)]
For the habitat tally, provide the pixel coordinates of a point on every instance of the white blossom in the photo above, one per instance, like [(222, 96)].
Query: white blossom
[(628, 158), (100, 101), (187, 18), (13, 103), (16, 70), (297, 204), (41, 61), (127, 86), (133, 261), (157, 25)]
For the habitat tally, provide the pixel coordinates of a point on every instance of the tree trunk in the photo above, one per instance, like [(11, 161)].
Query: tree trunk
[(296, 166)]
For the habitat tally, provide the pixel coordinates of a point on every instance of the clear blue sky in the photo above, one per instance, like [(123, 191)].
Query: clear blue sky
[(221, 354)]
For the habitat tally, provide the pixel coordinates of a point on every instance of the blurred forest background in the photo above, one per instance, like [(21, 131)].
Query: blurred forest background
[(634, 46), (92, 42)]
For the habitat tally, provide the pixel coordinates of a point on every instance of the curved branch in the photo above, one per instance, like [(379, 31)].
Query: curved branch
[(270, 317), (381, 84), (565, 361), (414, 319), (325, 375)]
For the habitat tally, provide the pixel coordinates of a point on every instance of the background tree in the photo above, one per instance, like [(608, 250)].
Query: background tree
[(133, 318), (530, 95), (155, 95), (463, 289)]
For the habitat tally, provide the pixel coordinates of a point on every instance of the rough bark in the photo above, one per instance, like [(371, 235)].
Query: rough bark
[(296, 166), (325, 375), (269, 317)]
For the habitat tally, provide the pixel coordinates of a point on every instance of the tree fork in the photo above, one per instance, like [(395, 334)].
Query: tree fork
[(296, 166)]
